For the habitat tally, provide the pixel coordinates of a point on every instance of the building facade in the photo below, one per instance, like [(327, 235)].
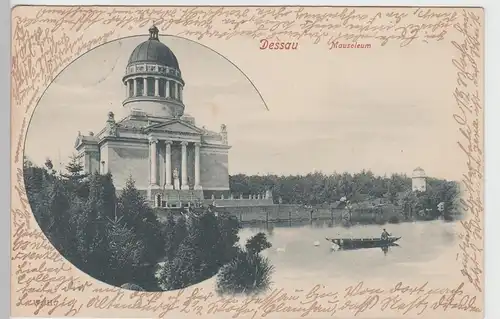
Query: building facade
[(418, 180), (157, 144)]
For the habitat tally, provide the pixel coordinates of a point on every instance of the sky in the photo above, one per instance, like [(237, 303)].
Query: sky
[(385, 110)]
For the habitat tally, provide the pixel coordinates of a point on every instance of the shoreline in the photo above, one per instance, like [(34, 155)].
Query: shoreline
[(335, 222)]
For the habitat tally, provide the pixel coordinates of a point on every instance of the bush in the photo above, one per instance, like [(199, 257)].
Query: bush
[(257, 243), (248, 273), (394, 220), (196, 250), (183, 270)]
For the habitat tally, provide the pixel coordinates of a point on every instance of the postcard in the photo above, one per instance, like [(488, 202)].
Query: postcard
[(247, 162)]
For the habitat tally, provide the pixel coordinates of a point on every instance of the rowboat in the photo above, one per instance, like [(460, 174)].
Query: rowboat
[(353, 243)]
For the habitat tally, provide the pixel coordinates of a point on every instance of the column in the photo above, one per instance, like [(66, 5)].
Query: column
[(127, 88), (135, 86), (180, 92), (197, 166), (168, 165), (184, 166), (153, 156), (167, 89), (145, 92), (176, 88), (157, 87)]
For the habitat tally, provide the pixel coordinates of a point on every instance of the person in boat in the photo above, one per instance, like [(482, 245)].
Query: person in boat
[(385, 235)]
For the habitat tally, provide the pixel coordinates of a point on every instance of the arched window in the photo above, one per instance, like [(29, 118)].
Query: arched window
[(151, 87), (130, 84), (172, 90), (140, 86), (162, 87)]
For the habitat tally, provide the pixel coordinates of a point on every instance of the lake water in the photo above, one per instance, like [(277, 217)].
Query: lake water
[(426, 256), (426, 250)]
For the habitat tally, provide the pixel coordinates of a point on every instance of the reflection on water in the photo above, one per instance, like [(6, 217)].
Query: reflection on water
[(384, 249), (297, 256)]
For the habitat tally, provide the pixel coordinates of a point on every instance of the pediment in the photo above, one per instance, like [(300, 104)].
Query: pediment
[(175, 126)]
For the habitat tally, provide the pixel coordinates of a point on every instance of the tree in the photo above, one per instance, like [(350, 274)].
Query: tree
[(180, 233), (184, 269), (50, 203), (203, 234), (115, 240), (248, 272), (140, 218), (75, 169), (409, 203), (169, 234), (36, 183), (102, 196), (125, 251), (257, 243), (228, 238), (58, 206), (198, 249), (96, 211), (75, 178), (318, 188)]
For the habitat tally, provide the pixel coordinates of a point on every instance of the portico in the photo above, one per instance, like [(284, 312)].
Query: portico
[(162, 148)]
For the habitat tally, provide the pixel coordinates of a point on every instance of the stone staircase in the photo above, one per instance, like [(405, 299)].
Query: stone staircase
[(184, 196)]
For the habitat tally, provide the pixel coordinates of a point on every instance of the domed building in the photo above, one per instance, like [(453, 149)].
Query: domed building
[(171, 160), (418, 180)]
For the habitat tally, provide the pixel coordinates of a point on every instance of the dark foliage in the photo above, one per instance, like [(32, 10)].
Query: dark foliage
[(318, 189), (206, 243), (248, 272), (74, 169), (169, 233), (257, 243), (119, 240), (107, 237), (135, 212)]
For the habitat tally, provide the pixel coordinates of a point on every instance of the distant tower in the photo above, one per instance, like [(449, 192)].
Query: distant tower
[(418, 180)]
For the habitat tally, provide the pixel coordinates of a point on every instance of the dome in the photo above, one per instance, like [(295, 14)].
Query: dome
[(153, 80), (153, 50)]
